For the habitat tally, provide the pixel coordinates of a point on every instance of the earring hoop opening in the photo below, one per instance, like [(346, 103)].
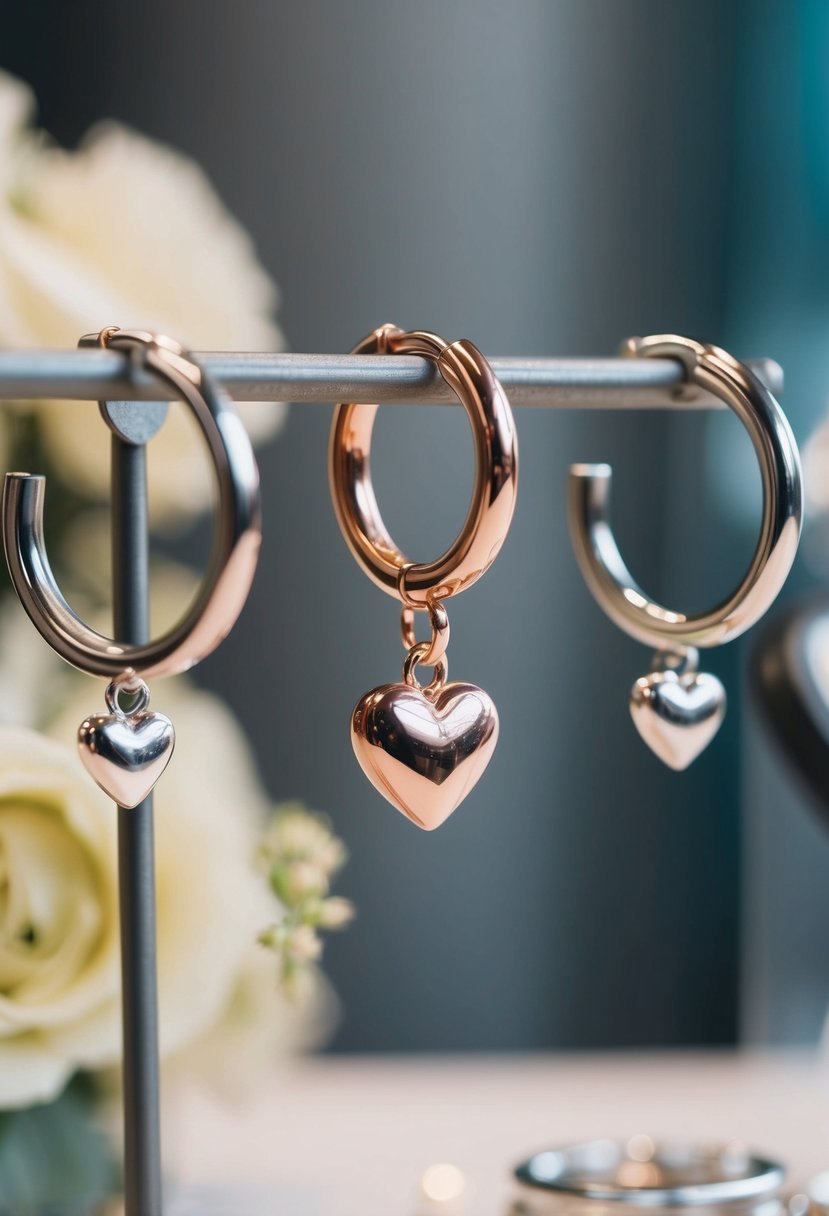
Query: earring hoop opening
[(602, 565), (484, 530)]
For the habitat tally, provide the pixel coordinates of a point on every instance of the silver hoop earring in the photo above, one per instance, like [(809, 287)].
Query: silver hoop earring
[(676, 708), (127, 749)]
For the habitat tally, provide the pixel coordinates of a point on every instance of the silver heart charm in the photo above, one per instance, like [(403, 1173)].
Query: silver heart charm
[(125, 752), (424, 753), (677, 715)]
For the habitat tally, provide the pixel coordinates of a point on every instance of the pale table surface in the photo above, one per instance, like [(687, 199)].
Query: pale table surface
[(351, 1136)]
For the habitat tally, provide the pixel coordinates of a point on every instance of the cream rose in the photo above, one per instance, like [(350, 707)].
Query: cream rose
[(58, 919), (59, 974), (210, 809), (124, 232)]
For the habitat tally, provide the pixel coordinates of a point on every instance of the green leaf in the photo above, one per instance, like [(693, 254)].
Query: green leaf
[(54, 1161)]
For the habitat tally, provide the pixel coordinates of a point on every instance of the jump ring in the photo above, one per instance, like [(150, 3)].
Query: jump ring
[(417, 656), (439, 622), (134, 688)]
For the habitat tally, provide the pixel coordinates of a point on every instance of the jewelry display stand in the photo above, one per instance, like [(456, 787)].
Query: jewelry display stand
[(136, 854), (132, 410)]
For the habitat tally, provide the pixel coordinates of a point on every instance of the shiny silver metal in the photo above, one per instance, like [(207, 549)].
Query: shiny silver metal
[(646, 1174), (237, 535), (602, 565), (92, 375), (424, 749), (677, 716), (126, 751)]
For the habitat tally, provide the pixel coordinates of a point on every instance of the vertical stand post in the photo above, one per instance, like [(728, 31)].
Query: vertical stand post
[(136, 856)]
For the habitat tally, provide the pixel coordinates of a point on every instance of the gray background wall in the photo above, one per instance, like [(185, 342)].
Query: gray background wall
[(545, 178)]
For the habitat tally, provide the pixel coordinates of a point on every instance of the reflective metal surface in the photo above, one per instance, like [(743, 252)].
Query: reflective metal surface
[(644, 1173), (602, 564), (126, 751), (237, 536), (476, 387), (424, 751), (439, 625), (91, 375), (425, 748), (677, 713)]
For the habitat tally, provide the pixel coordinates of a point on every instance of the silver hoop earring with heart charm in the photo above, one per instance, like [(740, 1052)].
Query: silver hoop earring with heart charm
[(424, 747), (677, 709), (127, 748)]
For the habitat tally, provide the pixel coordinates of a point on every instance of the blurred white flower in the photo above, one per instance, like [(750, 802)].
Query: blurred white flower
[(58, 919), (59, 1003), (305, 945), (335, 913), (294, 835), (124, 232), (212, 903), (300, 855)]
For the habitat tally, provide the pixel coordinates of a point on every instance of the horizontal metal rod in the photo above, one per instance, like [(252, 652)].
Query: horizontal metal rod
[(83, 375)]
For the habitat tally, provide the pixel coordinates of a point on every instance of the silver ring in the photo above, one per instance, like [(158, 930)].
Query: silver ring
[(642, 1173)]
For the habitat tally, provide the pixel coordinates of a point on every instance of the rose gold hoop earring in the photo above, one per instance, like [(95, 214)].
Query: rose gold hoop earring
[(425, 747)]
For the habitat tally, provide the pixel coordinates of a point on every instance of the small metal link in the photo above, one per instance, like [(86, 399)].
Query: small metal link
[(439, 623), (130, 687), (416, 657)]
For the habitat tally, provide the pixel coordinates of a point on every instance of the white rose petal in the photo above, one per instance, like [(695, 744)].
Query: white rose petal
[(209, 811), (124, 232), (59, 972), (58, 913)]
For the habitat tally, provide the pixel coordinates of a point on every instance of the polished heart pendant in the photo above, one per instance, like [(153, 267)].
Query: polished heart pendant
[(424, 751), (125, 752), (677, 715)]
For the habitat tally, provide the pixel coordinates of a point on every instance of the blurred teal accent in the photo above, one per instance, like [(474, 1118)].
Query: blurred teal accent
[(813, 21), (777, 264), (54, 1160), (778, 303)]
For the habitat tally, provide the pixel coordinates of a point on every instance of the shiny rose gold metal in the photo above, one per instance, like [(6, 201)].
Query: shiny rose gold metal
[(417, 657), (424, 752), (439, 622), (425, 747), (468, 374)]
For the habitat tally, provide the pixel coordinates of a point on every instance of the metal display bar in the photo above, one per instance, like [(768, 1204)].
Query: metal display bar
[(619, 384)]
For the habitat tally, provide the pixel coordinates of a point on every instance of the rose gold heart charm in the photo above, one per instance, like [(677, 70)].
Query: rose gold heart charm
[(424, 750)]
